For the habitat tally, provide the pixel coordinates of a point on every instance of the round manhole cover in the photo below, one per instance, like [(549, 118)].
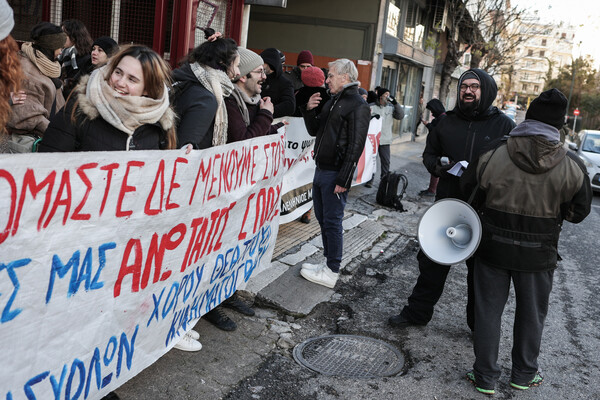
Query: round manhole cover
[(349, 355)]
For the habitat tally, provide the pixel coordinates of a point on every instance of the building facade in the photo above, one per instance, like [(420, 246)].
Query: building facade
[(546, 49)]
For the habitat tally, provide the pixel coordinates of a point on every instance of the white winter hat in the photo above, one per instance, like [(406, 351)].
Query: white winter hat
[(7, 22)]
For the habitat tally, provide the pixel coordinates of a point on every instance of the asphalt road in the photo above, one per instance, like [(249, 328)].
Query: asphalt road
[(438, 355)]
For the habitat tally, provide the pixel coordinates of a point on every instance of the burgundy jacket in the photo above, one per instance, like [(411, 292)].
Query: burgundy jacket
[(260, 122)]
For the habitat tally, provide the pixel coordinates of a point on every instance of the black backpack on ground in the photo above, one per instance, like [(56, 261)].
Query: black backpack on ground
[(387, 193)]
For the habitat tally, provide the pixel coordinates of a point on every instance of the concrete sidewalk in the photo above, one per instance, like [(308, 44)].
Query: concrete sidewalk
[(281, 298), (282, 287)]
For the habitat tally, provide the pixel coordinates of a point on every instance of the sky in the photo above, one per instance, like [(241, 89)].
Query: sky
[(585, 14)]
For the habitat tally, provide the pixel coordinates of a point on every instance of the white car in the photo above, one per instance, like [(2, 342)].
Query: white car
[(588, 149)]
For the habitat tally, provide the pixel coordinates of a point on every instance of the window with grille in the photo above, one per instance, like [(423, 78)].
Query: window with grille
[(211, 14), (126, 21)]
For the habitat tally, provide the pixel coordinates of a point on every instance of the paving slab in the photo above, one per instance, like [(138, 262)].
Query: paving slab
[(263, 278), (293, 294), (305, 251), (297, 296)]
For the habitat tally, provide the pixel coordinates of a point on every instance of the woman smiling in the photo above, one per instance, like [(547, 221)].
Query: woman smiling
[(121, 106)]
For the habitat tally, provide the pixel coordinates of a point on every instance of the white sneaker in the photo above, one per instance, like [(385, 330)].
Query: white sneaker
[(186, 343), (323, 276), (313, 267), (193, 334)]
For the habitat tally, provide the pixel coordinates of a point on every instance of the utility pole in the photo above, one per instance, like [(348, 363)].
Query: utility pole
[(573, 80)]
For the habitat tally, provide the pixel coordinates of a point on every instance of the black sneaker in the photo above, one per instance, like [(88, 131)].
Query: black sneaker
[(426, 193), (218, 318), (235, 303), (111, 396), (398, 321)]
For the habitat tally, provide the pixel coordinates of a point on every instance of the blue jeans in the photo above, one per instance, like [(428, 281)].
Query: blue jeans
[(329, 210)]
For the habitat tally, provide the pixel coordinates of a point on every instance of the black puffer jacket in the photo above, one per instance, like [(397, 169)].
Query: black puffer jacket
[(341, 130), (90, 132), (196, 108), (96, 134), (277, 86), (460, 137)]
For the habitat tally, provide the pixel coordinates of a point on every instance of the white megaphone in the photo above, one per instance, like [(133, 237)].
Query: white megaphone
[(449, 231)]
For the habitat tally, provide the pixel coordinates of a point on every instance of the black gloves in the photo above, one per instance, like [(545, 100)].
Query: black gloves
[(376, 116), (392, 100), (440, 169)]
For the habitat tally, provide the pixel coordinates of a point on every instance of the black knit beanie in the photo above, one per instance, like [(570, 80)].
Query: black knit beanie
[(549, 107), (380, 91), (107, 44)]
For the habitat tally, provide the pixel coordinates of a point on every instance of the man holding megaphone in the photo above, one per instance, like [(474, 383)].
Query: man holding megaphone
[(527, 186), (467, 129)]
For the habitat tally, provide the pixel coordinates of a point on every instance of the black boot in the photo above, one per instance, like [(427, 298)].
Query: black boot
[(235, 303), (218, 318)]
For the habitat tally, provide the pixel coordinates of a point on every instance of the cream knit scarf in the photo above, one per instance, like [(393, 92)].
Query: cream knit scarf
[(241, 98), (218, 83), (126, 113), (49, 68)]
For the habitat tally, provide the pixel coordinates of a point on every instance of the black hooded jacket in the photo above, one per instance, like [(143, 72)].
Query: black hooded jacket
[(196, 108), (463, 137), (277, 86)]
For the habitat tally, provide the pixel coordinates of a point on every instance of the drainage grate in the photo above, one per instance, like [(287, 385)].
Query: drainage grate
[(350, 356)]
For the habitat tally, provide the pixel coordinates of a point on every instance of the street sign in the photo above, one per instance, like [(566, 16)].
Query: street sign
[(576, 111)]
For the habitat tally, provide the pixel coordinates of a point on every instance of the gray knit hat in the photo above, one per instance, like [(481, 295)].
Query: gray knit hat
[(7, 22), (249, 61)]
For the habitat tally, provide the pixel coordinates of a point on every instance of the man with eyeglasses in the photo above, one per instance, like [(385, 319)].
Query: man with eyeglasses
[(248, 114), (465, 133)]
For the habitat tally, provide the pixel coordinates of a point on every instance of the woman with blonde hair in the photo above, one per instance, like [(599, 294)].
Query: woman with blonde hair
[(123, 105)]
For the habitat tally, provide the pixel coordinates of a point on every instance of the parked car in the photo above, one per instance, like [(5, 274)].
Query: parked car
[(511, 112), (587, 147)]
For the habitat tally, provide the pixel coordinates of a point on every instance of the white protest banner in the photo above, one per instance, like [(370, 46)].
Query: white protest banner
[(367, 165), (107, 258), (300, 167), (296, 196)]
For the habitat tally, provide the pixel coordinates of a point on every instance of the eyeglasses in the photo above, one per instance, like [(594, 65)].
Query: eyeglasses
[(259, 72), (474, 87)]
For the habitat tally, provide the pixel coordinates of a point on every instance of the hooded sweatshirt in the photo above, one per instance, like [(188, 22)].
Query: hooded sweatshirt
[(277, 86), (528, 185), (463, 137)]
